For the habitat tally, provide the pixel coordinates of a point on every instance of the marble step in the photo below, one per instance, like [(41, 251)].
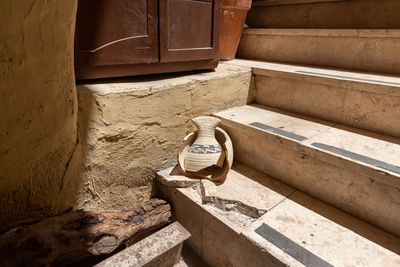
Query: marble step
[(366, 101), (354, 49), (354, 170), (290, 228)]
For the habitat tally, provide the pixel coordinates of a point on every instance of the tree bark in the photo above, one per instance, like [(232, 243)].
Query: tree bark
[(78, 235)]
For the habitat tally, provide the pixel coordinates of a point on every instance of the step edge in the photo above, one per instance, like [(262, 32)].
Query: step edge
[(148, 243), (140, 85), (310, 74), (382, 175), (282, 257), (351, 33), (371, 86), (277, 254)]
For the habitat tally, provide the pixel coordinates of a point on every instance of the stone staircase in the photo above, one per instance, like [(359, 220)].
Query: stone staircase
[(353, 98), (355, 172), (316, 178), (255, 220), (355, 49)]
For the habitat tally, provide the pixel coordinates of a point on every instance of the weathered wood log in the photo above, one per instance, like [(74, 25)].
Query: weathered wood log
[(78, 235)]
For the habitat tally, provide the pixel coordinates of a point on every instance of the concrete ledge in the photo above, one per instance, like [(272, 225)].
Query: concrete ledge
[(162, 248), (131, 127), (173, 177)]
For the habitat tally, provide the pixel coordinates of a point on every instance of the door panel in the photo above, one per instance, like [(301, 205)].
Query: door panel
[(189, 30), (112, 32)]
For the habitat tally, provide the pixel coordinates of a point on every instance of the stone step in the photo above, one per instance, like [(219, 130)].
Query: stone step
[(354, 49), (161, 249), (366, 101), (289, 229), (354, 170), (324, 14)]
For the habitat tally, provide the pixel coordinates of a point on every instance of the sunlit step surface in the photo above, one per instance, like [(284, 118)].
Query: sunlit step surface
[(362, 100), (353, 49), (294, 229), (356, 171)]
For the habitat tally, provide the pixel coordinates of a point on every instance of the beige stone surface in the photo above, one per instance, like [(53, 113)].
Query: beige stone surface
[(173, 177), (215, 233), (161, 249), (252, 197), (132, 127), (338, 237), (187, 210), (357, 99), (39, 155), (320, 14), (328, 233), (361, 189), (334, 48)]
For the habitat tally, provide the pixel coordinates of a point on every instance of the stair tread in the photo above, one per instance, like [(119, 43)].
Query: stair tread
[(361, 100), (317, 234), (358, 146), (371, 33), (259, 194), (351, 49), (364, 81), (338, 238)]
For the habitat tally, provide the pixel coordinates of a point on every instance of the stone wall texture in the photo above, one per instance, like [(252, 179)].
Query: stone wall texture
[(38, 107), (127, 129), (132, 127)]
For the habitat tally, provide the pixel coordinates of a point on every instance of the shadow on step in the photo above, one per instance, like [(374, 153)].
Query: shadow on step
[(331, 124), (364, 229)]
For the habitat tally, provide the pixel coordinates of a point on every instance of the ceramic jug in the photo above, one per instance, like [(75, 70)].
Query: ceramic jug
[(205, 151)]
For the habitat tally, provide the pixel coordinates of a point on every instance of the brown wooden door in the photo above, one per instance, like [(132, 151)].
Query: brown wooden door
[(116, 32), (189, 30)]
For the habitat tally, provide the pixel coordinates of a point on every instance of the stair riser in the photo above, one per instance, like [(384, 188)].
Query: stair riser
[(161, 249), (324, 48), (214, 241), (352, 188), (370, 108), (323, 15)]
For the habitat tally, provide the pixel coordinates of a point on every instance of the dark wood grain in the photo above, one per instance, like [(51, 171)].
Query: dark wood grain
[(189, 30), (79, 235), (116, 32), (117, 38)]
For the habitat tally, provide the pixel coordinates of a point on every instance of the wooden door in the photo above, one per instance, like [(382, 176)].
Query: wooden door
[(189, 30), (111, 32)]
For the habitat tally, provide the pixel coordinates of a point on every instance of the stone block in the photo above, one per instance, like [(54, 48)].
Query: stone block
[(132, 127)]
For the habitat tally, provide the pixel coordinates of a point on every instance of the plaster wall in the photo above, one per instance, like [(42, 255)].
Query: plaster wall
[(38, 105), (127, 130), (131, 128)]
